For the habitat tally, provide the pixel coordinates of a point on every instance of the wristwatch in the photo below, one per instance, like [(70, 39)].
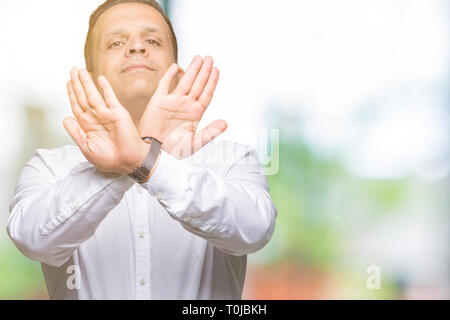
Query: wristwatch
[(140, 174)]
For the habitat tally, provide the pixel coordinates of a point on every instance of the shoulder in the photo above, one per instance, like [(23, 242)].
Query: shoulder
[(220, 156), (233, 145), (60, 153), (231, 151), (58, 160)]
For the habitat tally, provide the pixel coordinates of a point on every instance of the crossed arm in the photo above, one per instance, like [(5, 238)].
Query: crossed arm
[(51, 214), (107, 136)]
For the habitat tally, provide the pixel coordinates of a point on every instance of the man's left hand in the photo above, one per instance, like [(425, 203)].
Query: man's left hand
[(172, 118)]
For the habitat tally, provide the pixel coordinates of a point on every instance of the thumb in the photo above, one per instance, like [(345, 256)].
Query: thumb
[(76, 133), (166, 80), (180, 74), (210, 132), (176, 80)]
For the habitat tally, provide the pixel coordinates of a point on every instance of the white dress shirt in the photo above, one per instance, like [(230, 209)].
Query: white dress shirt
[(183, 235)]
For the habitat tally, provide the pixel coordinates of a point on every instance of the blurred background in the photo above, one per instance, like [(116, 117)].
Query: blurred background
[(347, 103)]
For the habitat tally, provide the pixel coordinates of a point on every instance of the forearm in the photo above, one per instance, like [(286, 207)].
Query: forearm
[(239, 220), (50, 219), (235, 213)]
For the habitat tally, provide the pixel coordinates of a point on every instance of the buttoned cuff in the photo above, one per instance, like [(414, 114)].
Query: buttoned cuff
[(171, 184), (160, 182)]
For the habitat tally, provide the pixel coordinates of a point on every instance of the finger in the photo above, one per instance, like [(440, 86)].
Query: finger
[(210, 88), (78, 135), (94, 98), (108, 92), (185, 85), (79, 90), (202, 78), (76, 109), (210, 132), (176, 80), (164, 82), (180, 74)]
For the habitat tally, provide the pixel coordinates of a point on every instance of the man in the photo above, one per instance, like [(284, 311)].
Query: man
[(144, 207)]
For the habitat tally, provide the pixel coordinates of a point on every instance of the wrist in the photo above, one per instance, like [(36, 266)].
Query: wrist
[(151, 153), (154, 168), (144, 149)]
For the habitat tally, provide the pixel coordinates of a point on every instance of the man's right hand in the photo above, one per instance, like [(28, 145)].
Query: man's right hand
[(103, 129)]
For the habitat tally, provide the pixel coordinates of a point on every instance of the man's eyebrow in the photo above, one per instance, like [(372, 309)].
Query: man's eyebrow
[(153, 30), (114, 33), (147, 29)]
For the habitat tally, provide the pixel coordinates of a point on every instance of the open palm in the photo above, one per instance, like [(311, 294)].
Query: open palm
[(173, 117), (103, 129)]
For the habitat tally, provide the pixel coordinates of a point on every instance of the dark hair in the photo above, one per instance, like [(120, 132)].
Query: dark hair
[(111, 3)]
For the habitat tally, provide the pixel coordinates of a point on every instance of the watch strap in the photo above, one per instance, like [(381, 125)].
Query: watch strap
[(155, 147), (141, 173)]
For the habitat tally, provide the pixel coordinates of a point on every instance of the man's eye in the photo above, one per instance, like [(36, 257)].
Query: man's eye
[(151, 41), (116, 44)]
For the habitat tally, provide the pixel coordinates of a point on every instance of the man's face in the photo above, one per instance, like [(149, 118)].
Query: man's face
[(132, 48)]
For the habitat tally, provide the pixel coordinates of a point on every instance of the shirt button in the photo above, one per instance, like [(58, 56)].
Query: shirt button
[(140, 190), (188, 219), (142, 281), (159, 196), (141, 234), (75, 204)]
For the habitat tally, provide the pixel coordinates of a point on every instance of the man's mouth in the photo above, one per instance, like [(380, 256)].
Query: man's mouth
[(137, 68)]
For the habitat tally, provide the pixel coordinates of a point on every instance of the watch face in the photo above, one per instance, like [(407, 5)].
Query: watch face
[(143, 173), (140, 174)]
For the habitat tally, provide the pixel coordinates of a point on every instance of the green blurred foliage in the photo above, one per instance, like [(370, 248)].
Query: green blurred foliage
[(315, 195), (319, 205), (299, 191), (21, 277)]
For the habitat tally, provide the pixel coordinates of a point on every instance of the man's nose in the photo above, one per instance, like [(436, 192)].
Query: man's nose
[(137, 47)]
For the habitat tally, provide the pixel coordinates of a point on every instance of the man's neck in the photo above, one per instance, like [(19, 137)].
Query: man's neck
[(136, 108)]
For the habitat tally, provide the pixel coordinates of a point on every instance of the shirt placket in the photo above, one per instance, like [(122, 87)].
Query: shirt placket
[(143, 283)]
